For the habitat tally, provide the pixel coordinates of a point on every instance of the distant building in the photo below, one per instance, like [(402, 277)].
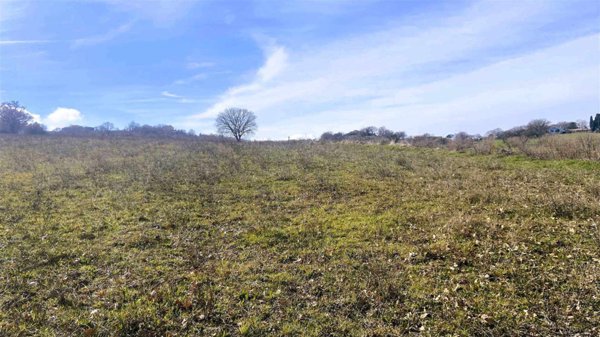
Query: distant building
[(557, 130)]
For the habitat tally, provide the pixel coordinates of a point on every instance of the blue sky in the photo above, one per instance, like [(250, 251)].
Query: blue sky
[(304, 67)]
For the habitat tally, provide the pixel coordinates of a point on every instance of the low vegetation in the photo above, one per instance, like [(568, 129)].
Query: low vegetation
[(126, 236), (574, 146)]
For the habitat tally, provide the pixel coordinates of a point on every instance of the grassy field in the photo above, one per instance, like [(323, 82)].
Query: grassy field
[(139, 237)]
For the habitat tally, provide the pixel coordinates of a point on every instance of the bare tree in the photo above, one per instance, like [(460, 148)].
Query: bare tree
[(369, 131), (537, 128), (236, 122), (385, 132), (13, 117), (494, 133), (399, 135), (581, 124), (106, 127)]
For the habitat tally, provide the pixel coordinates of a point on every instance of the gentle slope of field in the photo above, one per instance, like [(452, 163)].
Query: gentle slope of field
[(138, 237)]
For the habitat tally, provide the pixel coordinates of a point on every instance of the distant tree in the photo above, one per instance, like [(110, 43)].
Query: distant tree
[(518, 131), (338, 136), (106, 127), (398, 135), (369, 131), (581, 124), (364, 134), (327, 136), (191, 132), (353, 133), (236, 122), (494, 133), (462, 141), (13, 117), (76, 130), (461, 136), (385, 132), (595, 123), (34, 129), (132, 126), (567, 125), (537, 128)]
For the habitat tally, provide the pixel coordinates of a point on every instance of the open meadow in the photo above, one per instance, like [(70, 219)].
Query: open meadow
[(127, 236)]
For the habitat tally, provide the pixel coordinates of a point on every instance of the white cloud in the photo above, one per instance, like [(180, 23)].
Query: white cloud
[(19, 42), (393, 77), (101, 38), (170, 95), (62, 117), (275, 63)]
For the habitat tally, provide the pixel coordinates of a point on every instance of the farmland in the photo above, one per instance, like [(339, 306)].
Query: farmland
[(177, 237)]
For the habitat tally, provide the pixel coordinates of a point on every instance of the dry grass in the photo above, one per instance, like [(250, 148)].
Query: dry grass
[(573, 146), (584, 146), (133, 237)]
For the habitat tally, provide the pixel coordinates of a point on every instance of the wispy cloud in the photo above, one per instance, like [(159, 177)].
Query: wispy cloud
[(169, 94), (102, 38), (393, 76), (275, 63), (20, 42), (177, 98)]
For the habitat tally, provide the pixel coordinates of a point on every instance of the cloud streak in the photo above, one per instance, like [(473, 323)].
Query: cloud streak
[(169, 94), (102, 38), (22, 42)]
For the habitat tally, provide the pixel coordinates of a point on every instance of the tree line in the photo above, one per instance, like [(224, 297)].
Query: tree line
[(367, 133), (15, 119), (239, 123), (235, 122), (539, 127), (534, 129)]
